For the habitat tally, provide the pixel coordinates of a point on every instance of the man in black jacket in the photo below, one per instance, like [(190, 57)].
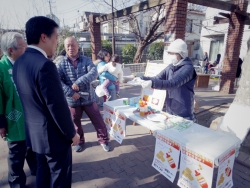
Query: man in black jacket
[(49, 127)]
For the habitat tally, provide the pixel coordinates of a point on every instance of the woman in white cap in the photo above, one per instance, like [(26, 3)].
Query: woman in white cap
[(178, 80)]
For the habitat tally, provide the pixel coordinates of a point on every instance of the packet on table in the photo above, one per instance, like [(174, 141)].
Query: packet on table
[(179, 123), (125, 102)]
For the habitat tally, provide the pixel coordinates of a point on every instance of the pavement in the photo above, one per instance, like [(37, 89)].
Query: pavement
[(129, 164)]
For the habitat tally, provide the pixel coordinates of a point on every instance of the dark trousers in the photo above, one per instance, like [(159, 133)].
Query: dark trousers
[(54, 170), (31, 160), (95, 117), (17, 154)]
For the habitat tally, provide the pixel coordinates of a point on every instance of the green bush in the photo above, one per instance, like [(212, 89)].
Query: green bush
[(128, 53), (155, 51), (107, 45)]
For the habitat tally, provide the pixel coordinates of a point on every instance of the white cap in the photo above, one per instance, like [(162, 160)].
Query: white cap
[(178, 46)]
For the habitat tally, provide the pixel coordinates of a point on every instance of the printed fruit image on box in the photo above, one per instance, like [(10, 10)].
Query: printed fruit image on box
[(221, 180), (120, 129), (228, 171), (201, 180), (107, 121), (160, 156), (170, 161), (188, 174), (115, 127)]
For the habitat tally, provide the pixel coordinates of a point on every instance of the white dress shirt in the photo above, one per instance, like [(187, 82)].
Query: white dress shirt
[(39, 49)]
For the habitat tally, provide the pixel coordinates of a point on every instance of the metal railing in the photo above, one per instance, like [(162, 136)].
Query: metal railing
[(136, 67), (198, 69)]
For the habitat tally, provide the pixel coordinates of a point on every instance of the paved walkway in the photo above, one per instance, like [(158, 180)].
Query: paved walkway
[(129, 164)]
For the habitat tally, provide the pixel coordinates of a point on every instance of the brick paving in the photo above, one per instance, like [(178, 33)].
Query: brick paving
[(129, 164)]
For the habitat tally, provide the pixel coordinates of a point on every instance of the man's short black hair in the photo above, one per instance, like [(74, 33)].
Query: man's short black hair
[(39, 25)]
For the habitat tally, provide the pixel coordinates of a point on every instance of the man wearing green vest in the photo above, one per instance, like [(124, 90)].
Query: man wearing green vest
[(11, 113)]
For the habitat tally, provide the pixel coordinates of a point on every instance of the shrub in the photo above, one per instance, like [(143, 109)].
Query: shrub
[(155, 51), (107, 45), (128, 53)]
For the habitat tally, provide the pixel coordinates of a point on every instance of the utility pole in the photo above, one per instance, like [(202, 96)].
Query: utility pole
[(51, 17), (113, 25)]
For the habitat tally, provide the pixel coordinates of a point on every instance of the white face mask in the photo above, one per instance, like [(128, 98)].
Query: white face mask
[(172, 59)]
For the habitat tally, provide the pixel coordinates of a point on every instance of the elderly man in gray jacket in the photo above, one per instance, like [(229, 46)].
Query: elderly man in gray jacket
[(76, 73)]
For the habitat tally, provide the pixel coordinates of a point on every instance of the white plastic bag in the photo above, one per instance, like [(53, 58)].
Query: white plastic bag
[(99, 91)]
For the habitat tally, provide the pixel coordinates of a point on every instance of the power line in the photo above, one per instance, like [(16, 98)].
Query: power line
[(74, 9), (65, 10)]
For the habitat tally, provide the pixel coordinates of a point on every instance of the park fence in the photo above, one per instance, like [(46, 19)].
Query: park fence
[(136, 67)]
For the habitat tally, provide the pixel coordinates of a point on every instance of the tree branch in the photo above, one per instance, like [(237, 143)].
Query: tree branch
[(138, 32), (154, 38), (153, 29)]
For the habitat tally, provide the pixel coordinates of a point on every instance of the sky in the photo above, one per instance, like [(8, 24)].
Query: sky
[(15, 13)]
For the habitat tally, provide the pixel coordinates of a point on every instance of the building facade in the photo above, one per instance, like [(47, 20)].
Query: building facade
[(213, 37)]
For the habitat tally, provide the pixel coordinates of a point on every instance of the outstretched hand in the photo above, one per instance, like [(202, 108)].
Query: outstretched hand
[(146, 84), (137, 79)]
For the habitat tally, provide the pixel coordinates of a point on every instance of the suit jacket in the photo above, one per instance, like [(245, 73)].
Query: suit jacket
[(48, 123)]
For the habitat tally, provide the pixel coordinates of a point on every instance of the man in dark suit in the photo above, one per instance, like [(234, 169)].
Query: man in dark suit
[(49, 127)]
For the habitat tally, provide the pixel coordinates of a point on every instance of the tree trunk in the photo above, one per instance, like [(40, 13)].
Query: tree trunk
[(243, 92), (139, 52), (242, 96)]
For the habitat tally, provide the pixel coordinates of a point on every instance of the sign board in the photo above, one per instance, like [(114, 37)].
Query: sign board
[(166, 157), (225, 171), (154, 97), (115, 124), (196, 171)]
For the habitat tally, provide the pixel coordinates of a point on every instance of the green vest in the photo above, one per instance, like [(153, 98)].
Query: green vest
[(10, 104)]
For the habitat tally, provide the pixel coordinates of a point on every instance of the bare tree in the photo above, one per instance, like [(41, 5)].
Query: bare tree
[(155, 22), (243, 92), (156, 19)]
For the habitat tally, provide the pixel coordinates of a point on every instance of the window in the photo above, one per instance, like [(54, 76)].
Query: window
[(105, 29), (116, 27), (215, 48), (125, 28), (189, 26)]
